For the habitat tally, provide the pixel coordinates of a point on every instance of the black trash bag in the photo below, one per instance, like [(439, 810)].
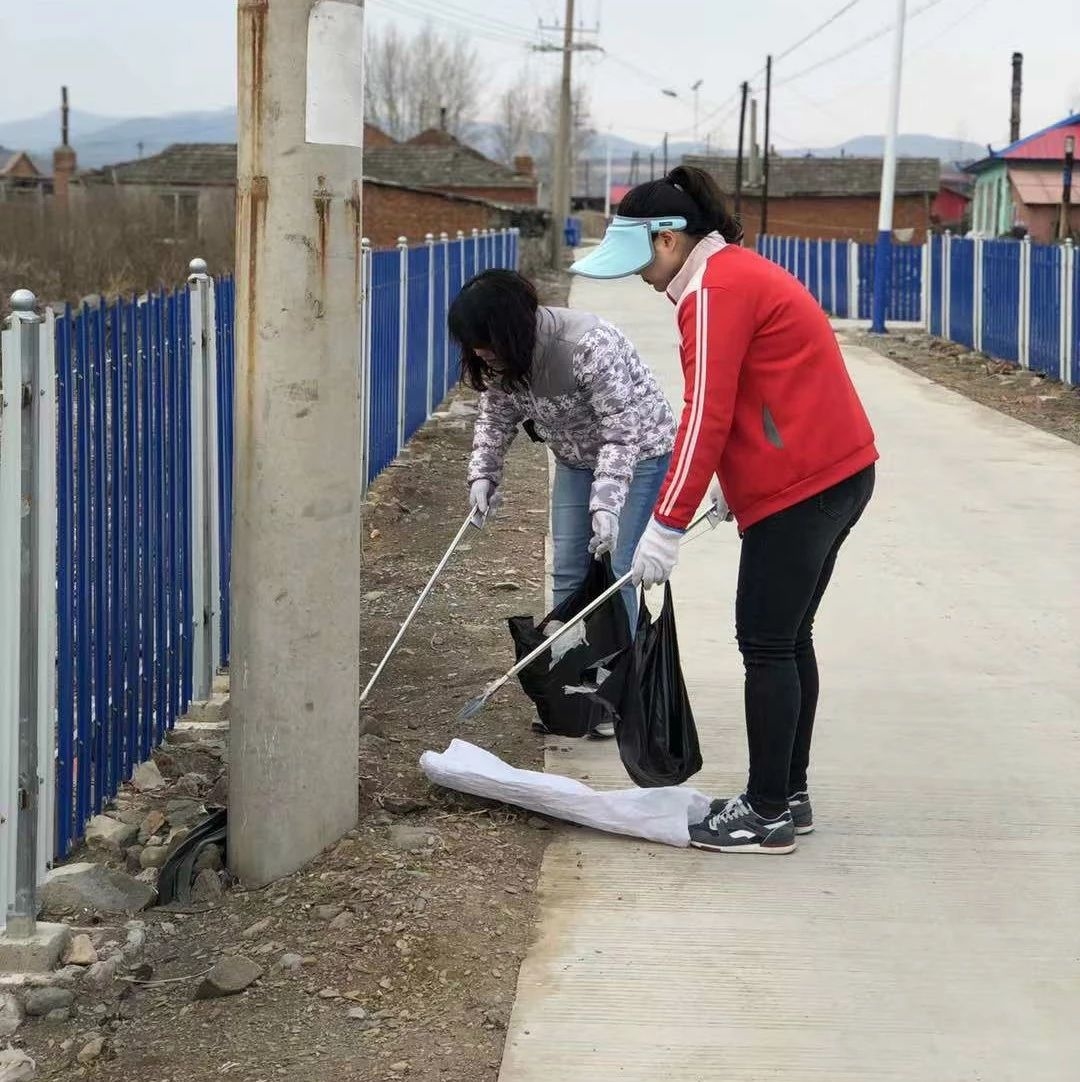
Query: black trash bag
[(561, 682), (655, 730)]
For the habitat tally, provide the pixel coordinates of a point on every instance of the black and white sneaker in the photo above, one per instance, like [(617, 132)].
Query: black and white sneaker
[(802, 812), (737, 828)]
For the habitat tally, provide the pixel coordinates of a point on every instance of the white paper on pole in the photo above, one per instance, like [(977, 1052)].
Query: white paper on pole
[(657, 815), (335, 74)]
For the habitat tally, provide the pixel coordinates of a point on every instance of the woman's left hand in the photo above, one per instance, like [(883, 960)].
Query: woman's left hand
[(605, 525)]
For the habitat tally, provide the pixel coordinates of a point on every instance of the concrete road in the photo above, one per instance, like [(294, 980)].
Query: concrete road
[(929, 930)]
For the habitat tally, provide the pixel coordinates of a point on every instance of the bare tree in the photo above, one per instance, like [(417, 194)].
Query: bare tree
[(517, 119), (411, 80), (581, 133)]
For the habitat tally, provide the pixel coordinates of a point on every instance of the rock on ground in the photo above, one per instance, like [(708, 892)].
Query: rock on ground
[(410, 839), (147, 777), (101, 975), (16, 1066), (228, 977), (91, 1051), (103, 832), (80, 952), (11, 1015), (39, 1001), (96, 888), (152, 822), (207, 886)]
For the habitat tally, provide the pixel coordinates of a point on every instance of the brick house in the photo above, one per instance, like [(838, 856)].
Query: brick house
[(192, 189), (20, 178), (832, 197), (1023, 184), (435, 159)]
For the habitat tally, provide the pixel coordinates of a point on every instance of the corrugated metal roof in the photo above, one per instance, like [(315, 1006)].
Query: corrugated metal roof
[(1042, 187), (829, 176)]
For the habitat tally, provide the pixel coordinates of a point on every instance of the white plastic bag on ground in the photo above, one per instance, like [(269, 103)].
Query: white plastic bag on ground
[(657, 815)]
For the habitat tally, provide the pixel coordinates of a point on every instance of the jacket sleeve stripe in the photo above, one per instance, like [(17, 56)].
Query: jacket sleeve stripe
[(693, 429)]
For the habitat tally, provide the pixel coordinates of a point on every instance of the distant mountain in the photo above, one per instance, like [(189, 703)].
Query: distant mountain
[(101, 140), (907, 146)]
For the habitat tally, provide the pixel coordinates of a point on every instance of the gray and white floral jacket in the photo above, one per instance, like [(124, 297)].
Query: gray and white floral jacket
[(592, 400)]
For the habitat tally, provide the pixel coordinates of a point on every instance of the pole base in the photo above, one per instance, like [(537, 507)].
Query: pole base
[(37, 953)]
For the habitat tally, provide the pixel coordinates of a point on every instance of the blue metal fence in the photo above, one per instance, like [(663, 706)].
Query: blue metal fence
[(139, 498), (1000, 298), (408, 358), (1045, 310), (1012, 299), (122, 601), (825, 267)]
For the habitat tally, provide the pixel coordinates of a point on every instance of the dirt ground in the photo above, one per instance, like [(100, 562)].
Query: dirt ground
[(417, 921), (1025, 395)]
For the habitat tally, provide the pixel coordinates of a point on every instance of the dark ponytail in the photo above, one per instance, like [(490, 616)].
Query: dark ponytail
[(690, 193)]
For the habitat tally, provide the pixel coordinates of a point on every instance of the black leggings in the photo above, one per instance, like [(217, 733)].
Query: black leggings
[(786, 563)]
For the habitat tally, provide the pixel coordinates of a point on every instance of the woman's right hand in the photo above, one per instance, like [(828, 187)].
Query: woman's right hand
[(484, 499)]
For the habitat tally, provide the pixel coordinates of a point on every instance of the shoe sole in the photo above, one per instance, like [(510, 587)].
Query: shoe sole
[(805, 830), (770, 850)]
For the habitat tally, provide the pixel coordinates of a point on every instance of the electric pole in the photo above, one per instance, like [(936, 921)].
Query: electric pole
[(739, 155), (883, 254), (665, 153), (607, 180), (765, 164), (696, 88), (562, 151), (297, 476)]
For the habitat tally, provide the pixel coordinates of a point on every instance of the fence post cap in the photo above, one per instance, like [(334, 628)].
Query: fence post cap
[(23, 302), (429, 238), (403, 241), (460, 233), (365, 242), (197, 266), (476, 232), (444, 235)]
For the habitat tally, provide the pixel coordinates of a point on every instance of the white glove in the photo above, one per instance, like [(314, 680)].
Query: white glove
[(656, 556), (605, 533), (484, 499), (718, 508)]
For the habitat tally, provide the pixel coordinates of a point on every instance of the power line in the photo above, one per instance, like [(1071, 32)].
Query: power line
[(855, 46), (476, 27), (817, 30)]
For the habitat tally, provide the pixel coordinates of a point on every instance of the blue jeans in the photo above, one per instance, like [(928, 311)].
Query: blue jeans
[(571, 526)]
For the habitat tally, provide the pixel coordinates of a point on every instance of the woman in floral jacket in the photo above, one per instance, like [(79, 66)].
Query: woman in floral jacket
[(577, 383)]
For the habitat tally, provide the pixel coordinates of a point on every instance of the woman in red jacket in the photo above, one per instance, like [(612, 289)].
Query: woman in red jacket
[(771, 411)]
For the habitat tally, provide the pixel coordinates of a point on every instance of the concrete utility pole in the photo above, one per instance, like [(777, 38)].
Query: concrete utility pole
[(297, 473), (744, 90), (764, 228), (883, 256), (562, 152)]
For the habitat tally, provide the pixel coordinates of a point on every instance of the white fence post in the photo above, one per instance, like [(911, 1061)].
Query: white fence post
[(403, 335), (365, 363), (10, 584), (977, 297), (429, 244), (203, 471), (924, 293), (853, 279), (832, 276), (46, 598), (1025, 303), (820, 278), (1068, 269), (444, 243), (28, 579), (946, 285)]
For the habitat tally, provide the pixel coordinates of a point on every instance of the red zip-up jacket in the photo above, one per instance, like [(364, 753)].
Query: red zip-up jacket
[(769, 406)]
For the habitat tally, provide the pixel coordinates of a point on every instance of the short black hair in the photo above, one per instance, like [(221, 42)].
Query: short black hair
[(686, 192), (496, 310)]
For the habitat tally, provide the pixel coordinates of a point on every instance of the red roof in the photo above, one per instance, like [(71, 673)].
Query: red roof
[(1045, 145)]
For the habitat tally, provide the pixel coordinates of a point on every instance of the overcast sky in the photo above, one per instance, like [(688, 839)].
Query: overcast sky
[(139, 57)]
